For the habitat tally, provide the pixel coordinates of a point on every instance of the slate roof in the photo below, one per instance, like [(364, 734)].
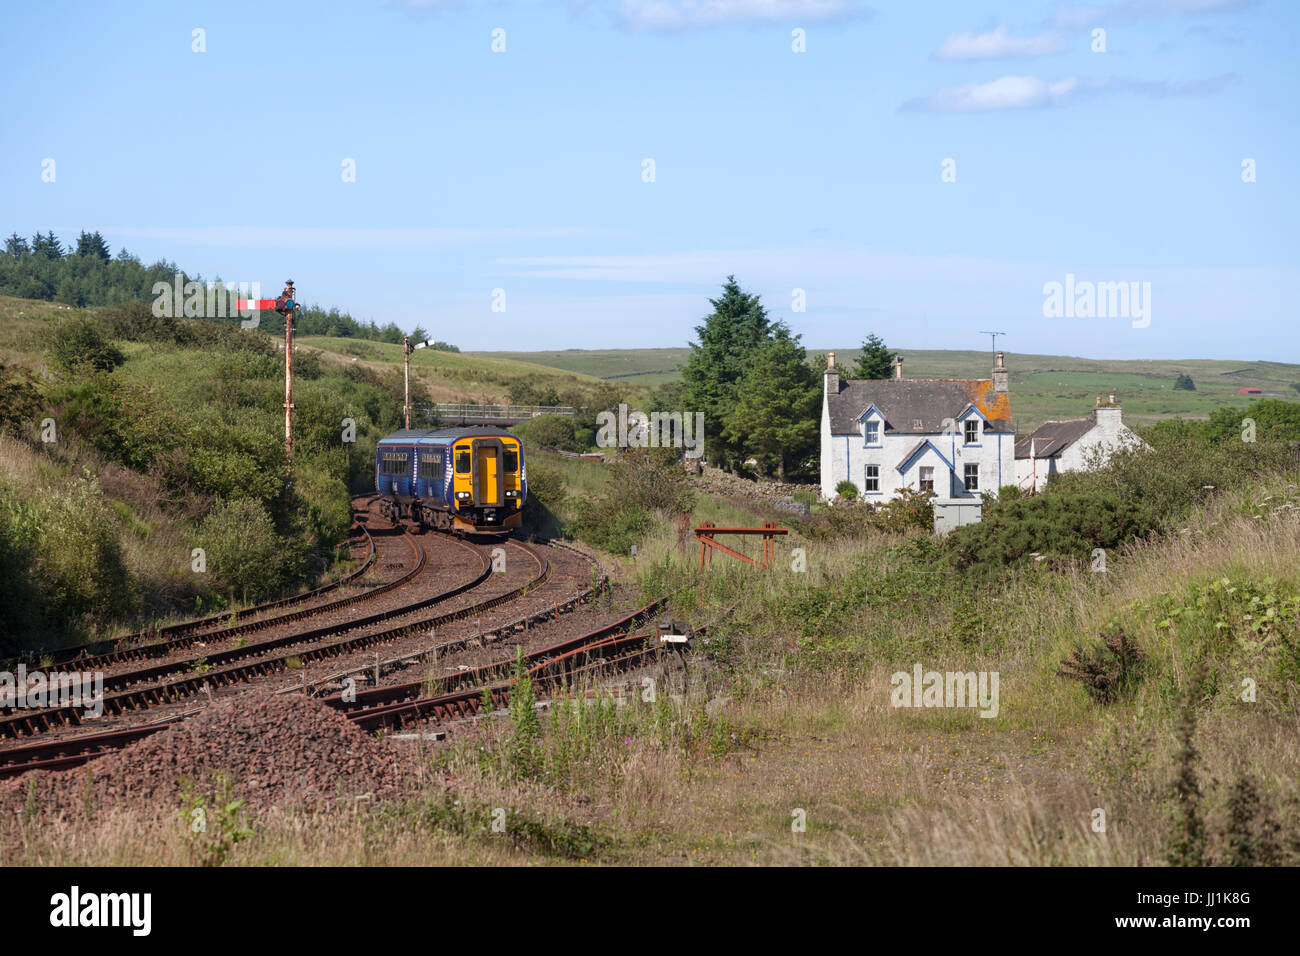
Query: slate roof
[(1052, 438), (914, 406)]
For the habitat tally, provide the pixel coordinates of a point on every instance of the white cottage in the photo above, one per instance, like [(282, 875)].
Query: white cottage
[(950, 436), (1054, 447)]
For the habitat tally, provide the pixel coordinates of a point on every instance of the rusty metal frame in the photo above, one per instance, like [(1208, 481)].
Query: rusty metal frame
[(705, 535)]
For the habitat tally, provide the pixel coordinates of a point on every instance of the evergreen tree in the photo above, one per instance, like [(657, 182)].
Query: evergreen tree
[(92, 245), (47, 246), (16, 246), (418, 335), (1184, 382), (774, 417), (728, 340), (875, 360)]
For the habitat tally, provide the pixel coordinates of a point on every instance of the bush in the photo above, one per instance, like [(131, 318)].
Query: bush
[(65, 543), (1061, 524), (243, 552), (549, 431), (1107, 670), (847, 490), (546, 496), (78, 342), (653, 479)]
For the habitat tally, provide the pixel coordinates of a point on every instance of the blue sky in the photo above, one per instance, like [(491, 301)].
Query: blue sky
[(820, 170)]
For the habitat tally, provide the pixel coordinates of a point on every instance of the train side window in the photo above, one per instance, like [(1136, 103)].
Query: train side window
[(462, 463), (510, 460), (431, 465)]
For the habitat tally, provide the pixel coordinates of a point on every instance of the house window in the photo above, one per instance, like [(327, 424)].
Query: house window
[(871, 481), (972, 477), (871, 432), (972, 431), (927, 478)]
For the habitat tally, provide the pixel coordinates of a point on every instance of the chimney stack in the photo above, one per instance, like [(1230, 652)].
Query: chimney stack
[(898, 368), (832, 375), (1108, 416), (1000, 373)]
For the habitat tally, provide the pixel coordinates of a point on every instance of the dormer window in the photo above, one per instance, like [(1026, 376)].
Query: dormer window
[(871, 432), (972, 431)]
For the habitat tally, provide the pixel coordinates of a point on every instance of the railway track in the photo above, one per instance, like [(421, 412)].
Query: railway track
[(241, 664), (602, 650), (143, 644)]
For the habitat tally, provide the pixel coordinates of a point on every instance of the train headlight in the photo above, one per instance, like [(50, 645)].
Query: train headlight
[(462, 494)]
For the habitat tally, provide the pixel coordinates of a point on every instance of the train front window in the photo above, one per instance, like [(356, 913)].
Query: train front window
[(510, 461), (462, 463)]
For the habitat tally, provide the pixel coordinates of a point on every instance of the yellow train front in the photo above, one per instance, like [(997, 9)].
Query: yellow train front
[(467, 479)]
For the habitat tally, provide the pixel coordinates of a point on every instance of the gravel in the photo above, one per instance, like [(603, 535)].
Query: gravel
[(274, 751)]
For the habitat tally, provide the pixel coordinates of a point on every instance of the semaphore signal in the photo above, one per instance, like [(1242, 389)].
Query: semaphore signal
[(287, 306)]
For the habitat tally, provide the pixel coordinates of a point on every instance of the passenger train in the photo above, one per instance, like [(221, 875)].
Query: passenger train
[(466, 479)]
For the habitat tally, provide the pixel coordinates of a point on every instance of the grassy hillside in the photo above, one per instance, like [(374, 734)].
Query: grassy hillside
[(1043, 387)]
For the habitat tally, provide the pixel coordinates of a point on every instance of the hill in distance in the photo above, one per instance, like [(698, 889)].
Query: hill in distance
[(1043, 387)]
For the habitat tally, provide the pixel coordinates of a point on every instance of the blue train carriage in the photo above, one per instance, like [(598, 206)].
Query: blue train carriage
[(466, 479)]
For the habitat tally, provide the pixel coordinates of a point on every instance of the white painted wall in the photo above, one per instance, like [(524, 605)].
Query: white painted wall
[(848, 456), (1103, 439)]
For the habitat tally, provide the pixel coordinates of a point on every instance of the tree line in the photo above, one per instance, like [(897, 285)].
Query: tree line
[(87, 274), (758, 390)]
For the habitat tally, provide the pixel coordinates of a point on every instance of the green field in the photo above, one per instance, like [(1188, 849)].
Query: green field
[(1043, 387)]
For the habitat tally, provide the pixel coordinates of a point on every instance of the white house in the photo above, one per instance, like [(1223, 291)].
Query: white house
[(1054, 447), (950, 436)]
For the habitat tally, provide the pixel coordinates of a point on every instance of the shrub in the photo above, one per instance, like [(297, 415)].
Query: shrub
[(549, 431), (69, 537), (78, 342), (1107, 670), (20, 400), (847, 490), (546, 497), (1061, 524), (242, 548)]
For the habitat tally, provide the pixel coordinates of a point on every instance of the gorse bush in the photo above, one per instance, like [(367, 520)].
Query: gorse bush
[(909, 511), (643, 481), (243, 553), (63, 561), (1068, 525), (80, 341), (549, 431), (1107, 670)]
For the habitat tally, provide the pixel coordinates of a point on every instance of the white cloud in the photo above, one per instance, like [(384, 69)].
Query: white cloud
[(665, 15), (344, 237), (1078, 15), (1007, 93), (997, 45)]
